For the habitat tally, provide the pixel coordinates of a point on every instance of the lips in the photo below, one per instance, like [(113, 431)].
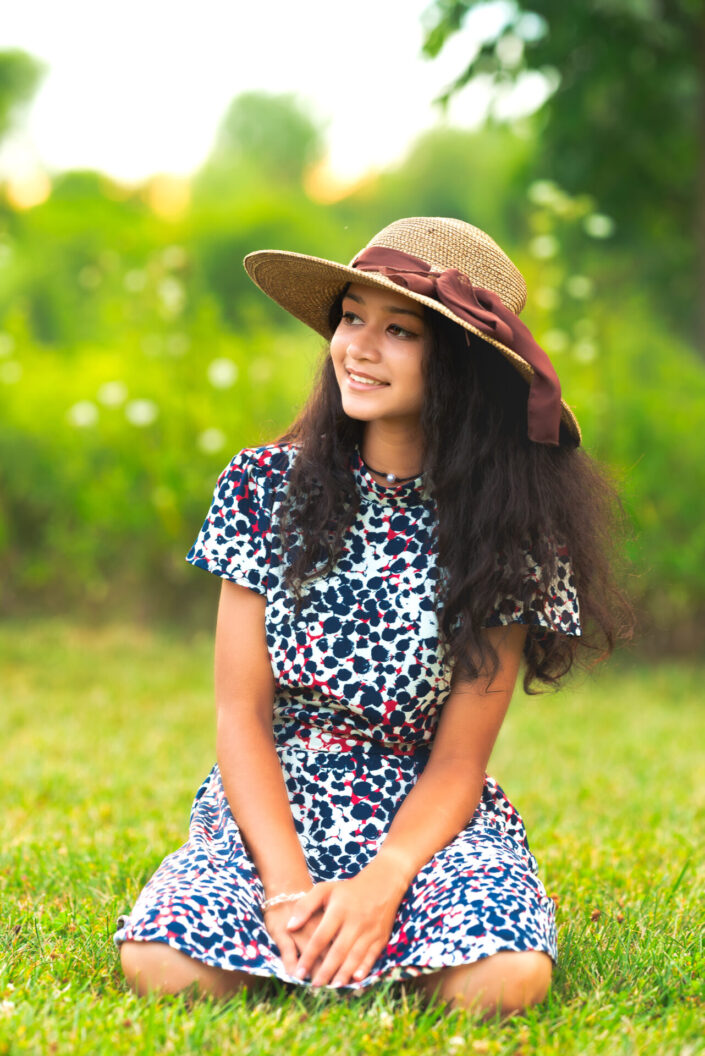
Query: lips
[(362, 374)]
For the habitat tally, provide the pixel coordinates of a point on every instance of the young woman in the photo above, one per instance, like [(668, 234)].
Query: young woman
[(427, 522)]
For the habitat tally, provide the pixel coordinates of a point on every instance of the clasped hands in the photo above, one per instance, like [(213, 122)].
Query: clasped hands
[(336, 932)]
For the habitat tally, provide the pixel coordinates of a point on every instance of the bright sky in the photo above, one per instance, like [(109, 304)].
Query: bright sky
[(140, 86)]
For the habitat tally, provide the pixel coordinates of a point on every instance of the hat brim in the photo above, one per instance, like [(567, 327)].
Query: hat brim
[(306, 287)]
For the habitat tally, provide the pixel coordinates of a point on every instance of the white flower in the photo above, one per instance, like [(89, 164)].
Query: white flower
[(579, 286), (89, 277), (222, 373), (141, 412), (585, 351), (162, 497), (260, 370), (10, 372), (7, 344), (7, 1007), (543, 246), (178, 344), (546, 297), (597, 225), (584, 327), (172, 295), (211, 440), (135, 280), (112, 393), (151, 344), (82, 414), (174, 257), (555, 340), (509, 50)]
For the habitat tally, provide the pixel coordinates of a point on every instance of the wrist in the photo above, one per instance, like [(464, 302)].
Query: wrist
[(286, 884), (285, 898), (394, 867)]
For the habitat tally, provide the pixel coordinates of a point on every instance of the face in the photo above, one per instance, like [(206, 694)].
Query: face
[(382, 337)]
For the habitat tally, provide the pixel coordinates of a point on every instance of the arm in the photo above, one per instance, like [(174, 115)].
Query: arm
[(444, 798), (248, 762), (360, 912)]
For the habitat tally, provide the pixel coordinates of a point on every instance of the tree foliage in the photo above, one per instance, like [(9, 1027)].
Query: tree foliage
[(624, 123), (20, 75), (272, 134)]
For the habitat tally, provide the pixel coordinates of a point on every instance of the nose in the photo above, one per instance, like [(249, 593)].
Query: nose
[(362, 343)]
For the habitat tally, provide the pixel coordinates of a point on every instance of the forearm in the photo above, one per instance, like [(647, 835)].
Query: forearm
[(254, 785), (437, 808)]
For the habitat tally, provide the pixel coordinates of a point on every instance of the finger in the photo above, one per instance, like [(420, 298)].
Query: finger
[(317, 944), (333, 960), (367, 963), (354, 965), (305, 907), (287, 951)]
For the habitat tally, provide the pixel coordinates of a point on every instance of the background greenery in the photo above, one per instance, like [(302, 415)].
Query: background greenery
[(136, 357)]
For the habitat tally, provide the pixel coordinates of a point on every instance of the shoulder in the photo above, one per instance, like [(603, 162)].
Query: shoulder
[(268, 466)]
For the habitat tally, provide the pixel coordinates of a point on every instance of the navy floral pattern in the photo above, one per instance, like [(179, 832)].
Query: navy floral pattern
[(359, 691)]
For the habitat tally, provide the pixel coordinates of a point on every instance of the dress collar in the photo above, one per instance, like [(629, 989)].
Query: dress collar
[(411, 493)]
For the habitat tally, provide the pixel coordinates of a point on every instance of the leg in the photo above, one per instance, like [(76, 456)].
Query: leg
[(506, 982), (155, 967)]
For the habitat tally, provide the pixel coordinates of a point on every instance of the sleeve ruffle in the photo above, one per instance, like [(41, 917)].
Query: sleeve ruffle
[(234, 540), (556, 609)]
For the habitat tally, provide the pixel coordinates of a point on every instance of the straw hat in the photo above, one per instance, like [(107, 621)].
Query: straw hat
[(306, 286)]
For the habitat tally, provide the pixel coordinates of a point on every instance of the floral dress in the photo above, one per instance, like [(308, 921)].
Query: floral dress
[(359, 688)]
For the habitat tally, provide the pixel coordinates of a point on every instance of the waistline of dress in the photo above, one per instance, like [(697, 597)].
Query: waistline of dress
[(318, 740)]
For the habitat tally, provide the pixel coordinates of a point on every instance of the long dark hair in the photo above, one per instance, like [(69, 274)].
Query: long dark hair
[(498, 494)]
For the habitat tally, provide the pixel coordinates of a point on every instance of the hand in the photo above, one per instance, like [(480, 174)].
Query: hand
[(290, 944), (354, 926)]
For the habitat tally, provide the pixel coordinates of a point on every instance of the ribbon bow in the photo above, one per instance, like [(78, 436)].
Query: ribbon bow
[(485, 310)]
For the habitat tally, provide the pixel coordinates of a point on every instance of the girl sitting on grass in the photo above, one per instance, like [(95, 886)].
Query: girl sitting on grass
[(427, 522)]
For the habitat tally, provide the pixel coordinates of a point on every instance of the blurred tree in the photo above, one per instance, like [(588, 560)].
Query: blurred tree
[(478, 176), (625, 121), (269, 134), (20, 75)]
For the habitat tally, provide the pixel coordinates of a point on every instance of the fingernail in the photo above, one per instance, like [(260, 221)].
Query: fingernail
[(292, 922), (300, 973)]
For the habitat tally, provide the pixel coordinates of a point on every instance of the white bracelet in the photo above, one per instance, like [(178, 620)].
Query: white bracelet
[(277, 900)]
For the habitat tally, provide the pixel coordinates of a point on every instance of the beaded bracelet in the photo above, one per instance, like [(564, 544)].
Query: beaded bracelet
[(277, 900)]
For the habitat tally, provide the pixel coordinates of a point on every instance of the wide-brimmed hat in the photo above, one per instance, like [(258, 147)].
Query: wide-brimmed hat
[(450, 267)]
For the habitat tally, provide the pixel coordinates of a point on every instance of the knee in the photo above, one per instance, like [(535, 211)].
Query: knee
[(526, 977), (506, 982), (145, 966), (154, 967)]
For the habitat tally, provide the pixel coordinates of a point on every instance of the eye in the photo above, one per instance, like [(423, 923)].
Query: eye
[(399, 331), (349, 317)]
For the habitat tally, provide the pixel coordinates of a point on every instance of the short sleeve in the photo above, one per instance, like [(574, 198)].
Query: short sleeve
[(234, 540), (556, 609)]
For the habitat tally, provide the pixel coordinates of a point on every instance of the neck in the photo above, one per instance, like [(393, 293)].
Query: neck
[(397, 450)]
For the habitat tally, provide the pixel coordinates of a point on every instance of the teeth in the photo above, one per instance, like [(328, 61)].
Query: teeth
[(365, 381)]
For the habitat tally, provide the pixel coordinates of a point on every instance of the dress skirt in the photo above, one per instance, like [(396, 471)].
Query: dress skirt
[(478, 895)]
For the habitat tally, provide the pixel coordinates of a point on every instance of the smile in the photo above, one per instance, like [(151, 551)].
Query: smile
[(359, 382)]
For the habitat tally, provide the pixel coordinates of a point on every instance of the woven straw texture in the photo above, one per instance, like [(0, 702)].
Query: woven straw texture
[(307, 286)]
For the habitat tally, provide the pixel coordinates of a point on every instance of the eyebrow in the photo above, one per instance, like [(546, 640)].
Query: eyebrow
[(388, 307)]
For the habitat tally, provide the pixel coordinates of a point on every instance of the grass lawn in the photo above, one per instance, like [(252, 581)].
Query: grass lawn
[(107, 732)]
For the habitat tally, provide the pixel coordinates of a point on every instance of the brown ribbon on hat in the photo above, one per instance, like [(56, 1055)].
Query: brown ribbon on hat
[(486, 311)]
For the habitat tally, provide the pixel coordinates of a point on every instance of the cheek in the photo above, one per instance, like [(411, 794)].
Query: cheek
[(337, 350)]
